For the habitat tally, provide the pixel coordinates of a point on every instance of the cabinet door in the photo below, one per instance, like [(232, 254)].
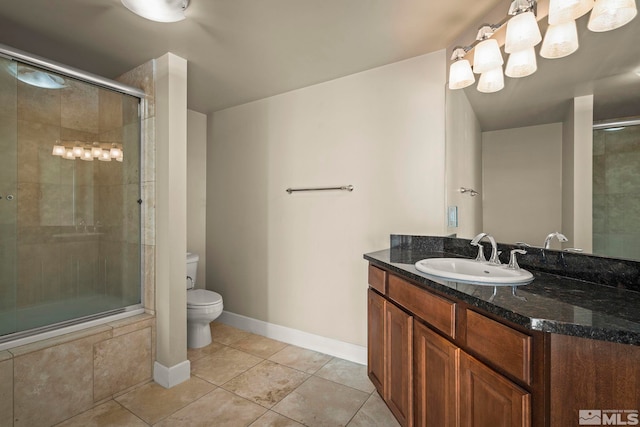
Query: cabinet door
[(398, 369), (375, 345), (487, 399), (435, 378)]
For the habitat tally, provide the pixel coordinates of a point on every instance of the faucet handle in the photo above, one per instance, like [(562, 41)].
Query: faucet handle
[(513, 261), (480, 257)]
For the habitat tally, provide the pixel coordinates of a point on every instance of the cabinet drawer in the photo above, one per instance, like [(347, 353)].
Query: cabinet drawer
[(377, 278), (438, 312), (501, 345)]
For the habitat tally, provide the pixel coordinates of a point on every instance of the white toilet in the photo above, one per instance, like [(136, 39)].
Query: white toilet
[(203, 307)]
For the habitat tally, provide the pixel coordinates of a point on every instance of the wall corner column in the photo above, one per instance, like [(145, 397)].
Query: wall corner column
[(171, 366)]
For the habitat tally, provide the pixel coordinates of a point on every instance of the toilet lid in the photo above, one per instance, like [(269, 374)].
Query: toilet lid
[(199, 297)]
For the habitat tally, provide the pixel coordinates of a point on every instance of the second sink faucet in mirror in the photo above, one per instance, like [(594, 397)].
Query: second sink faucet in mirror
[(561, 238), (494, 248)]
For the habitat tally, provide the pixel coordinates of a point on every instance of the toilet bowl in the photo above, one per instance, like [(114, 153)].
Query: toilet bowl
[(203, 307)]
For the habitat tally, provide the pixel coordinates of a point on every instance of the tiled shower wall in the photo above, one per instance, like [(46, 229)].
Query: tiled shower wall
[(51, 380), (616, 193)]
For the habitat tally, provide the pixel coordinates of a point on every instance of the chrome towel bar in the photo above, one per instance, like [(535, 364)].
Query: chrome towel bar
[(343, 188)]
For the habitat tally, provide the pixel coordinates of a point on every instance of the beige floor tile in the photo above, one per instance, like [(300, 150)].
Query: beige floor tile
[(259, 346), (347, 373), (198, 353), (226, 334), (152, 402), (273, 419), (319, 402), (106, 415), (223, 365), (301, 359), (374, 413), (266, 384), (218, 408)]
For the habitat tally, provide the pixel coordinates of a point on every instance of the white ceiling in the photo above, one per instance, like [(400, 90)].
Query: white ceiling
[(240, 50)]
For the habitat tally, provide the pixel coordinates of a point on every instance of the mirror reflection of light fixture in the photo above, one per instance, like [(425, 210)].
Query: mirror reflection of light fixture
[(158, 10), (36, 77), (561, 11), (491, 81), (58, 150), (86, 155), (88, 151), (560, 40), (95, 150), (105, 156), (460, 74), (608, 15)]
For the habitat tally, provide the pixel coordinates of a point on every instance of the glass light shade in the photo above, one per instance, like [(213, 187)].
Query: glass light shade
[(460, 74), (560, 41), (486, 56), (608, 15), (68, 154), (561, 11), (120, 158), (86, 155), (105, 156), (96, 150), (158, 10), (491, 80), (522, 63), (522, 32), (77, 151), (58, 150)]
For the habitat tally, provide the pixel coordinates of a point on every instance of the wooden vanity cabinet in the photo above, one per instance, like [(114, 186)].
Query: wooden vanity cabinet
[(435, 378), (424, 370), (390, 343)]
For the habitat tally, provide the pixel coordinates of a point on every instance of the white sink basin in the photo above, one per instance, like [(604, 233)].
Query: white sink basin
[(471, 271)]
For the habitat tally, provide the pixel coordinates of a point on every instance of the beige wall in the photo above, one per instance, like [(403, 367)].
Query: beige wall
[(522, 187), (197, 190), (464, 164), (296, 260)]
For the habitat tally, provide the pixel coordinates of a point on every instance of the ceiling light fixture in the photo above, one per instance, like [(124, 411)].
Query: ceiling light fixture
[(158, 10), (560, 40), (523, 33), (561, 11), (608, 15), (460, 74)]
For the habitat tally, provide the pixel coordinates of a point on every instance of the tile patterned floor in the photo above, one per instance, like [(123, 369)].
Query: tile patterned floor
[(243, 379)]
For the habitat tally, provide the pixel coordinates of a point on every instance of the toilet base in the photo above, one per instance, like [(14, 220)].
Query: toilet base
[(198, 335)]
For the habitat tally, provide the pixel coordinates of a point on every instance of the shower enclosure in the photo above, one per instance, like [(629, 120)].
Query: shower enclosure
[(70, 240), (616, 188)]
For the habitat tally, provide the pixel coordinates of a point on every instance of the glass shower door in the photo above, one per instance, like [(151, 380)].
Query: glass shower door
[(70, 213), (8, 202)]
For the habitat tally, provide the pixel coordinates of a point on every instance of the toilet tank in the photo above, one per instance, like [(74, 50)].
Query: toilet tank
[(192, 269)]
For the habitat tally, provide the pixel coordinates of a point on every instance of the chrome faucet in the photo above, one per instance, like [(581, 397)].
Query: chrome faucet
[(561, 238), (494, 248)]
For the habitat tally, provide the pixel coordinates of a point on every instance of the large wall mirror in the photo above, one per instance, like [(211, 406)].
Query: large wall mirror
[(540, 158)]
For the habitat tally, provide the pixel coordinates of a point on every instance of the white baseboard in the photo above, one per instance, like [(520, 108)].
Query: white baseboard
[(332, 347), (168, 377)]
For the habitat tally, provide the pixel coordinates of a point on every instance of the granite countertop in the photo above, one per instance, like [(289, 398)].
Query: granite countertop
[(552, 303)]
